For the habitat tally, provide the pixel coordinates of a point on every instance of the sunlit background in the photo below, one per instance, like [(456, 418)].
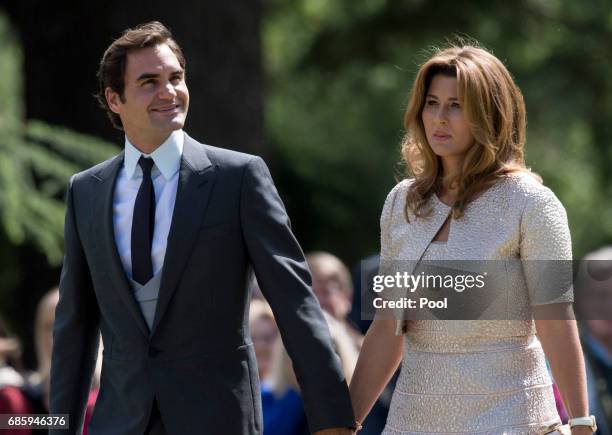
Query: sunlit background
[(317, 87)]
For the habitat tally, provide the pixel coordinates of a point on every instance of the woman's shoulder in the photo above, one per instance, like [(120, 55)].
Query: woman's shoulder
[(526, 188), (397, 193), (403, 184), (401, 187), (538, 207)]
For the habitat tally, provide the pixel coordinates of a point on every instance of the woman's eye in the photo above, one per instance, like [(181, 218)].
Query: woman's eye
[(432, 102), (456, 105)]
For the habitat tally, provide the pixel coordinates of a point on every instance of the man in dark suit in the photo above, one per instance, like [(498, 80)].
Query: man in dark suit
[(159, 244)]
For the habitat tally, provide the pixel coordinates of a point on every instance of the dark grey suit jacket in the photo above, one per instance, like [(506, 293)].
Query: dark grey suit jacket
[(198, 359)]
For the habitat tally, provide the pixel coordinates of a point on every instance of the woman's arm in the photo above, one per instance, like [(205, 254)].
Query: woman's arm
[(561, 344), (380, 356)]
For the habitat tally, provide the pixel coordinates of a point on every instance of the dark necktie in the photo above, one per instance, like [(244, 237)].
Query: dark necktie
[(143, 224)]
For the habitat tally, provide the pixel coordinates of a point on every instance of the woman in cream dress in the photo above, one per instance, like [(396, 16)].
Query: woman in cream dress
[(470, 197)]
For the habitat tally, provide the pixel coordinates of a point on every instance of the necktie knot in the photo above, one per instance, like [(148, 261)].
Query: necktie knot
[(146, 163)]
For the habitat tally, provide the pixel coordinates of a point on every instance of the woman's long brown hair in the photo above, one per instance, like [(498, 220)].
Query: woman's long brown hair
[(494, 108)]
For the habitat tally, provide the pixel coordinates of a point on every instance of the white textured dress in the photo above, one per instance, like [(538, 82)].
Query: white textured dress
[(478, 376)]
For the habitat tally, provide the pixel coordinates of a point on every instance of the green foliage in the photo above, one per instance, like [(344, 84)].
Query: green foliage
[(36, 161), (339, 74)]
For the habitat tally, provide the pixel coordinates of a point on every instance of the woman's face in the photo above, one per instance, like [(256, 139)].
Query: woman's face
[(264, 334), (446, 128), (46, 333)]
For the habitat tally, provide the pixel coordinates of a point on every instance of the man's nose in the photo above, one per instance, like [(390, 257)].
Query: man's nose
[(167, 91)]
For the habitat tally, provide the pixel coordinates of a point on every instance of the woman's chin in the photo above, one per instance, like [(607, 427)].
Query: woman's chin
[(444, 150)]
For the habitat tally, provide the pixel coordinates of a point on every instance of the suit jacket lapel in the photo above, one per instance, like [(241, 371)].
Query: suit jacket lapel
[(102, 211), (196, 181)]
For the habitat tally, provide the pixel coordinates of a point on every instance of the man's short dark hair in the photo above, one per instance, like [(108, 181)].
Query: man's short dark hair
[(111, 72)]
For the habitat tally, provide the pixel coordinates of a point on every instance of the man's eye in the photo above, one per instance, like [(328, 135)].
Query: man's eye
[(146, 82)]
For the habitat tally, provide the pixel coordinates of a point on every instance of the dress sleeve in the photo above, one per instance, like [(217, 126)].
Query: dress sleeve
[(546, 249), (385, 223), (391, 208)]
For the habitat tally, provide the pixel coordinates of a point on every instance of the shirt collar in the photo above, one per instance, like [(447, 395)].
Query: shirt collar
[(167, 157)]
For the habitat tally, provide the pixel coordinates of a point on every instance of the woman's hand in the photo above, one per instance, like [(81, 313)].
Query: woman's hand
[(581, 430), (335, 431)]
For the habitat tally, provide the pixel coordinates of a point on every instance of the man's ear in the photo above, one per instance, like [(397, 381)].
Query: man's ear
[(112, 99)]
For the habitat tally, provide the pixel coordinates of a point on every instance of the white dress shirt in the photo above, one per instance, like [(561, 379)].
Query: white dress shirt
[(165, 175)]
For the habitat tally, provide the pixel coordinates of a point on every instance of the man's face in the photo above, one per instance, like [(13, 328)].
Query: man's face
[(597, 308), (331, 296), (264, 334), (155, 97)]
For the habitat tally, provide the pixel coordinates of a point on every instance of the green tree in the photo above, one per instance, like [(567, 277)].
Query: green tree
[(339, 74), (36, 161)]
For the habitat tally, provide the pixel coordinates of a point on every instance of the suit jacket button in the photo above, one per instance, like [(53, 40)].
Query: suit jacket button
[(153, 352)]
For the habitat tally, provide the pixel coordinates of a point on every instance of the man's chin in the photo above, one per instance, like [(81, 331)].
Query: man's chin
[(172, 124)]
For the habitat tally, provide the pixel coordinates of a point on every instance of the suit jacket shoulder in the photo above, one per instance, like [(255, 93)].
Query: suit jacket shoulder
[(221, 157), (98, 169)]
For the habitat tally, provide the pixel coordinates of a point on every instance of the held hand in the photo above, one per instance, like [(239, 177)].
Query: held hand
[(581, 430), (336, 431)]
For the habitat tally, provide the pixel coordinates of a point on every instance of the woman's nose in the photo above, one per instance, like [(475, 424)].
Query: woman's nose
[(442, 115)]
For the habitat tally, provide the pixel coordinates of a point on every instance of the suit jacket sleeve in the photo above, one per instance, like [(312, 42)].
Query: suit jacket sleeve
[(285, 281), (76, 329)]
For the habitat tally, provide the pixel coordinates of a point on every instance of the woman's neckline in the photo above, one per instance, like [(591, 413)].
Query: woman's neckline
[(478, 198), (437, 198)]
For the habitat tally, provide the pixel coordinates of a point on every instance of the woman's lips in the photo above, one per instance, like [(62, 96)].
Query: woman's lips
[(442, 136)]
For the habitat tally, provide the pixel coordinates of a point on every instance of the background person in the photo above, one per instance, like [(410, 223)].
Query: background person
[(283, 409), (32, 396), (10, 359), (12, 398), (594, 305), (264, 334), (332, 285)]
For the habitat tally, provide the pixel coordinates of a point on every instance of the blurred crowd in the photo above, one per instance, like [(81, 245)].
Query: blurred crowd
[(26, 392)]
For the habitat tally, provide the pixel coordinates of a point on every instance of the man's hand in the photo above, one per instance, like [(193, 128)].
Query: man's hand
[(336, 431)]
